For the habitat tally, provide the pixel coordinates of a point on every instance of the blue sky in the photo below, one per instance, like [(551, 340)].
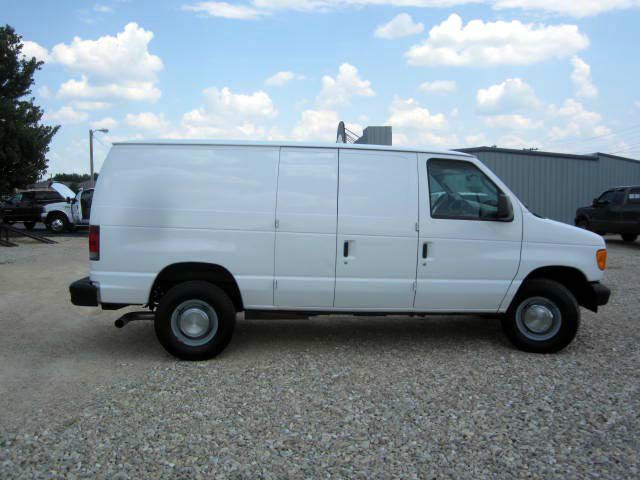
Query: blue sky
[(551, 74)]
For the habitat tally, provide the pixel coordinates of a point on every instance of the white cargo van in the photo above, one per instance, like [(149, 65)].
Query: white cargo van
[(198, 231)]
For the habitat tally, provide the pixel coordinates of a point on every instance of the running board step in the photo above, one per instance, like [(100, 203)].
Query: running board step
[(133, 316)]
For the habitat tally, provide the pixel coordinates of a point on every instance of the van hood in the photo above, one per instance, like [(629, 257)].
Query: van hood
[(63, 190), (544, 230)]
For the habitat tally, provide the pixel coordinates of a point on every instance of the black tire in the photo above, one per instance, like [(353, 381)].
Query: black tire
[(201, 348), (57, 222), (8, 222), (565, 323), (629, 237), (29, 225)]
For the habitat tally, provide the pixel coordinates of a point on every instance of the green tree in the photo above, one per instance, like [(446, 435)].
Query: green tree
[(24, 142)]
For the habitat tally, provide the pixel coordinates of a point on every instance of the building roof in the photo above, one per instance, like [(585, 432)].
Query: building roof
[(589, 157), (350, 146)]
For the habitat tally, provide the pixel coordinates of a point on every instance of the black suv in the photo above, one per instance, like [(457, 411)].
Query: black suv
[(615, 211), (26, 207)]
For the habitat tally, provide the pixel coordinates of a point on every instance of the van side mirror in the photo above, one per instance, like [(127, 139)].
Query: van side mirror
[(505, 209)]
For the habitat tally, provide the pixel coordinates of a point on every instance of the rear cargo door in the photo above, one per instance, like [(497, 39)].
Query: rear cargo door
[(306, 209)]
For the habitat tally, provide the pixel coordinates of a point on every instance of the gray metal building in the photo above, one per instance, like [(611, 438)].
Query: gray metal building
[(556, 184)]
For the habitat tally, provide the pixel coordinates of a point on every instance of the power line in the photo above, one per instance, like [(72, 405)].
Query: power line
[(629, 148), (596, 137)]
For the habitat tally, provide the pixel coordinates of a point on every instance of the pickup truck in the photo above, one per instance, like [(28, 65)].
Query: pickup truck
[(69, 213), (27, 206), (59, 208), (616, 211)]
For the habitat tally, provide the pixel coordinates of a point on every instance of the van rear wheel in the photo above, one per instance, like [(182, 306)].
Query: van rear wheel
[(543, 318), (628, 237), (195, 320)]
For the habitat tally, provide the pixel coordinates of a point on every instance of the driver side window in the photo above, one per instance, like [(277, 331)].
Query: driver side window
[(459, 190), (606, 197)]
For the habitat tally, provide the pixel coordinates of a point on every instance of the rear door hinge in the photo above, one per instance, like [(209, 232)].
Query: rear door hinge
[(417, 227), (275, 283), (276, 223)]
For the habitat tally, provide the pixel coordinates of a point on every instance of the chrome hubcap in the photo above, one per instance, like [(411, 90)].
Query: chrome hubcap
[(538, 318), (57, 224), (194, 322)]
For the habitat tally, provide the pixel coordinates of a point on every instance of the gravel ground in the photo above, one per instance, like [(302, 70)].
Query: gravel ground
[(328, 397)]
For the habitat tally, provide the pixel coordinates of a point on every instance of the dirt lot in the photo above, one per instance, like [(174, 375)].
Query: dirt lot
[(332, 396)]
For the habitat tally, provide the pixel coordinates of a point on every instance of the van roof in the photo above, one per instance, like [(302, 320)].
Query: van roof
[(354, 146)]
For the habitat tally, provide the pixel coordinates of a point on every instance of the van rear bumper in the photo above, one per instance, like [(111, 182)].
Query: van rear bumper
[(84, 293)]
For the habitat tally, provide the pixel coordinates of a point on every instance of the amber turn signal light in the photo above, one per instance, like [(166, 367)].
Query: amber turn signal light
[(601, 257)]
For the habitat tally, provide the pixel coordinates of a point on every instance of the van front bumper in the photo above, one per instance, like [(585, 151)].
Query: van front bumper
[(84, 293), (601, 293)]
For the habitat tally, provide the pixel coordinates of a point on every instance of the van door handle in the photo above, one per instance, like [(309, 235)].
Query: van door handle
[(345, 249), (425, 249)]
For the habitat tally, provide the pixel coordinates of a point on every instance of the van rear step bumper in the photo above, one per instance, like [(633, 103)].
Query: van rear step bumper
[(84, 293)]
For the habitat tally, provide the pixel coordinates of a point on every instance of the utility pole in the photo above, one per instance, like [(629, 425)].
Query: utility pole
[(92, 181)]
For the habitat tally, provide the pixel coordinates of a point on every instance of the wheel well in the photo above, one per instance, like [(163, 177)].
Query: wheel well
[(183, 272), (570, 277), (56, 213)]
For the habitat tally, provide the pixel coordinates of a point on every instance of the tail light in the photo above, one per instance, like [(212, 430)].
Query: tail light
[(94, 242)]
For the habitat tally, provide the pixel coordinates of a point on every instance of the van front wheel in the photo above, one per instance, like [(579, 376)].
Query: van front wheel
[(195, 320), (543, 318)]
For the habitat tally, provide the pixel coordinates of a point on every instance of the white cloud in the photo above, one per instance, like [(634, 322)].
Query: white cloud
[(225, 102), (512, 95), (102, 8), (575, 8), (316, 125), (225, 114), (107, 122), (576, 121), (485, 44), (338, 91), (402, 25), (253, 9), (66, 115), (88, 105), (409, 114), (124, 57), (581, 78), (32, 49), (282, 78), (137, 91), (438, 86), (416, 125), (147, 121), (475, 140), (512, 140), (511, 122), (224, 10)]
